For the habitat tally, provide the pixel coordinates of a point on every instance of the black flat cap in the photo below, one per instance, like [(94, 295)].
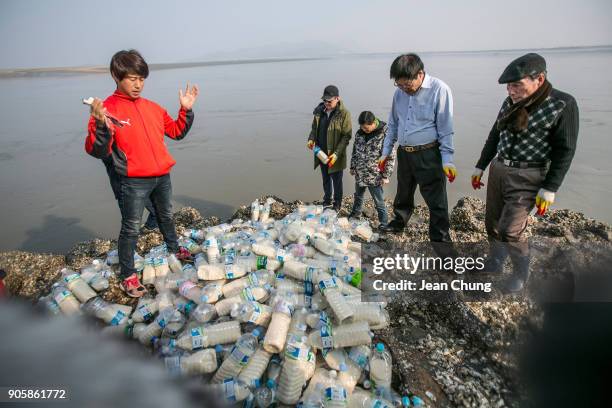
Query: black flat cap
[(330, 91), (528, 64)]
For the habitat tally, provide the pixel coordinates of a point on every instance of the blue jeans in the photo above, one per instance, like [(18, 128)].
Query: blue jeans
[(379, 202), (134, 193), (331, 180), (115, 182)]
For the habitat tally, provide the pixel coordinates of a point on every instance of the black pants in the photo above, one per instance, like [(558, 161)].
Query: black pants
[(134, 193), (422, 168), (332, 180), (115, 182)]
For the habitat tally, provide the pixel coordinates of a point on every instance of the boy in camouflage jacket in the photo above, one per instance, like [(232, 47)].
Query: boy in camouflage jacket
[(367, 150)]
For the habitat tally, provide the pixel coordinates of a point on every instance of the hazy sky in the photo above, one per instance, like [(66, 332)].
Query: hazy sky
[(39, 33)]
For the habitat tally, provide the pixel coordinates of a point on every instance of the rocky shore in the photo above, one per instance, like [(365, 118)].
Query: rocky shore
[(451, 354)]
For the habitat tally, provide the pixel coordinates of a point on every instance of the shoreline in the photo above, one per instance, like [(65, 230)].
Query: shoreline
[(457, 353)]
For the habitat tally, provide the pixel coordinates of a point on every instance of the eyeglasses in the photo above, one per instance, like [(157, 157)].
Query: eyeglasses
[(404, 85)]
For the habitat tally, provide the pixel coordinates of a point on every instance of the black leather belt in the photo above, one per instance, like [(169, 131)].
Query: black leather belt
[(522, 165), (412, 149)]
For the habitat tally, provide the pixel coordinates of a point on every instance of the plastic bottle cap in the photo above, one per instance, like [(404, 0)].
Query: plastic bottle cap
[(380, 347), (417, 401), (343, 367), (218, 348), (405, 402), (255, 332), (270, 383)]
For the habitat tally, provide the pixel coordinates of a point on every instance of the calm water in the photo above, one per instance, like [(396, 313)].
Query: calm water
[(249, 137)]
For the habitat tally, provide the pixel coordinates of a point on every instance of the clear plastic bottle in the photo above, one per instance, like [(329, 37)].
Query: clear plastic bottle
[(298, 366), (320, 154), (79, 288), (249, 294), (145, 310), (345, 335), (216, 271), (258, 278), (155, 328), (252, 312), (376, 316), (200, 362), (230, 391), (274, 342), (175, 265), (328, 286), (50, 305), (256, 367), (206, 336), (381, 370), (361, 398), (148, 271), (204, 313), (211, 246), (274, 369), (111, 314), (255, 211), (68, 304), (334, 394), (239, 357), (265, 396)]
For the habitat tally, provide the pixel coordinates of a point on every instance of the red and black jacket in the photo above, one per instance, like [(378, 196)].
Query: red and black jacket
[(137, 148)]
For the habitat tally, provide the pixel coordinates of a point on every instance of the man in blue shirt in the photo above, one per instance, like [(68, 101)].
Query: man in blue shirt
[(421, 121)]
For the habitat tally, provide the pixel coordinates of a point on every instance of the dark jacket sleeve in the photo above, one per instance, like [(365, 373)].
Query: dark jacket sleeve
[(563, 142), (177, 129), (490, 148), (313, 129), (99, 139), (345, 134)]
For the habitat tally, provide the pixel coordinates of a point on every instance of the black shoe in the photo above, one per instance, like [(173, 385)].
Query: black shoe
[(394, 226), (520, 275)]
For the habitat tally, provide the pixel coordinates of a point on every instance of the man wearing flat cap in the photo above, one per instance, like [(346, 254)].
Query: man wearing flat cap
[(331, 132), (530, 148)]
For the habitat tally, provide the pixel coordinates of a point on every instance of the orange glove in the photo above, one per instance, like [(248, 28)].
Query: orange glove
[(544, 199), (332, 159), (476, 176), (310, 144), (382, 162), (451, 171)]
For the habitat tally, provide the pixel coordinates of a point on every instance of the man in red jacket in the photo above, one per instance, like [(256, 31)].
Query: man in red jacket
[(131, 130)]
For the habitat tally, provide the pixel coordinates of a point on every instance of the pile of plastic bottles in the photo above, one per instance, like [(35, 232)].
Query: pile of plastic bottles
[(269, 313)]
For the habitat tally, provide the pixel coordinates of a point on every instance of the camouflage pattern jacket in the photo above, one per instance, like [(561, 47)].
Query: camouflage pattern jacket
[(367, 149)]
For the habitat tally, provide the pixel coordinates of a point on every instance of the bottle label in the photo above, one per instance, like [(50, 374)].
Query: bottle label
[(59, 298), (196, 338), (326, 336), (118, 318), (229, 273), (255, 314), (186, 287), (326, 284), (173, 365), (229, 391), (337, 394), (71, 277), (307, 300), (262, 261), (358, 357), (308, 288), (240, 357), (283, 306), (230, 257), (253, 279), (281, 254), (295, 352), (247, 295), (310, 272), (333, 267), (161, 323)]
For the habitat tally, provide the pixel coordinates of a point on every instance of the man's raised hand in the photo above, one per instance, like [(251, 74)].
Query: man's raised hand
[(188, 98)]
